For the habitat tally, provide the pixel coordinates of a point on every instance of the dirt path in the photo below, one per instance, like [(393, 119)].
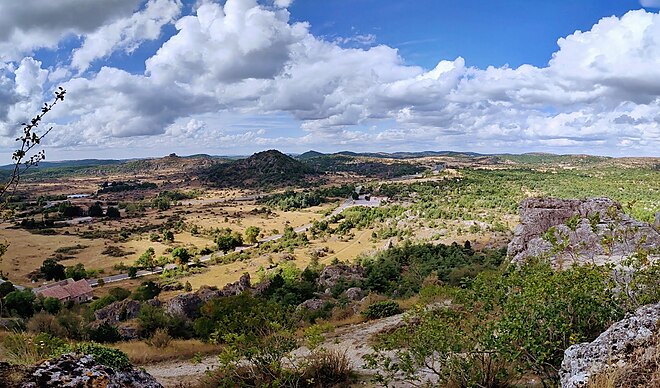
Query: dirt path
[(352, 339), (174, 373)]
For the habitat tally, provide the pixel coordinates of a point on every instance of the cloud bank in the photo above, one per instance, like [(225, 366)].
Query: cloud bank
[(599, 93)]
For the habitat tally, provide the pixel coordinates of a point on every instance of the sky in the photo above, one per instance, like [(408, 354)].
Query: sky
[(147, 78)]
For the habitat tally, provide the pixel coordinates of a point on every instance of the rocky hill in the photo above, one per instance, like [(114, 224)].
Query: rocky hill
[(261, 170), (594, 230)]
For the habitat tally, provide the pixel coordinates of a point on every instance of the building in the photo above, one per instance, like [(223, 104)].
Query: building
[(67, 290)]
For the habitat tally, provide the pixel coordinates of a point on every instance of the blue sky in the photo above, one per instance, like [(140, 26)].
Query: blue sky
[(150, 77)]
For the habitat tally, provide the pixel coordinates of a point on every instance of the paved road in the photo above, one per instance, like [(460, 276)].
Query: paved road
[(373, 202)]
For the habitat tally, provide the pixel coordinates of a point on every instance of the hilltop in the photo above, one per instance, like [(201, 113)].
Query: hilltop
[(264, 169)]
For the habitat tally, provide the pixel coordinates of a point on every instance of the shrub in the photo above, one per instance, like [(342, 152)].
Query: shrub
[(119, 293), (113, 358), (52, 305), (52, 270), (104, 333), (382, 309), (45, 323), (328, 368), (160, 339), (20, 303), (147, 290)]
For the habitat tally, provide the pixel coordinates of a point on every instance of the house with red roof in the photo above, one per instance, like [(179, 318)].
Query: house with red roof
[(67, 290)]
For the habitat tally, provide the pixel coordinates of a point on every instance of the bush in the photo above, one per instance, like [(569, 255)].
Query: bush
[(328, 368), (45, 323), (113, 358), (104, 333), (160, 339), (241, 314), (20, 303), (52, 305), (382, 309), (147, 290), (52, 270), (119, 293)]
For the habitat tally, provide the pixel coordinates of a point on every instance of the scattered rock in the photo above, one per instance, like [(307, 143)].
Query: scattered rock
[(312, 304), (75, 370), (118, 311), (128, 332), (656, 222), (238, 287), (613, 347), (599, 232), (185, 305), (207, 293), (354, 293), (261, 287), (172, 287), (332, 274)]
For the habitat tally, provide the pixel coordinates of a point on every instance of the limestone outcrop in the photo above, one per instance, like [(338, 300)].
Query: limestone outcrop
[(332, 274), (613, 348), (594, 230), (118, 311), (184, 305), (74, 370)]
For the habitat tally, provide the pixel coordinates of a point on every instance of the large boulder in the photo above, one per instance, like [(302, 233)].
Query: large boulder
[(74, 370), (333, 274), (207, 293), (237, 288), (312, 304), (613, 348), (184, 305), (118, 311), (594, 230), (354, 294)]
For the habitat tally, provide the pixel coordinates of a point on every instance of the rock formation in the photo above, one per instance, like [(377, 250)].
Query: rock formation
[(73, 370), (237, 288), (118, 311), (184, 305), (332, 274), (594, 230), (613, 348)]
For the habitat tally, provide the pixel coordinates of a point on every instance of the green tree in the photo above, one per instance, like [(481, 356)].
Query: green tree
[(52, 270), (76, 272), (52, 305), (95, 210), (147, 259), (132, 272), (168, 236), (181, 256), (228, 240), (147, 290), (20, 303), (251, 234), (112, 212)]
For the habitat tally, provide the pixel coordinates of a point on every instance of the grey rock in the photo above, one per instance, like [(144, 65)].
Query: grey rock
[(599, 220), (354, 293), (76, 370), (184, 305), (333, 274), (207, 293), (118, 311), (613, 347), (128, 332), (237, 288), (312, 304), (656, 222)]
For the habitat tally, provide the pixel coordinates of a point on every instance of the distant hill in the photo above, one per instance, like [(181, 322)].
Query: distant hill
[(85, 167), (70, 163), (309, 155), (388, 155), (267, 169)]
